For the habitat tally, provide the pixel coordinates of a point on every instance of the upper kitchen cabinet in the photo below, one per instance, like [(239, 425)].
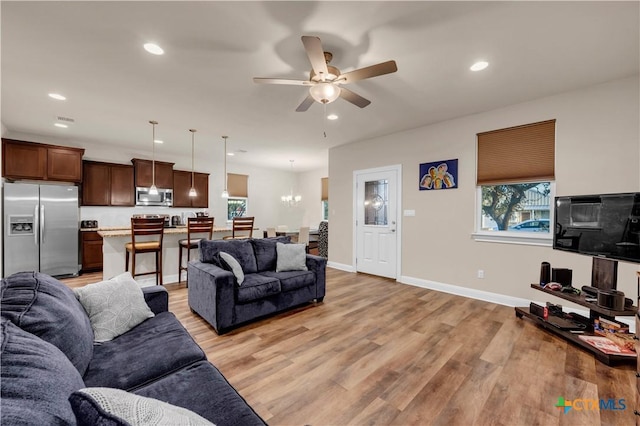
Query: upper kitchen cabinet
[(30, 160), (182, 185), (107, 184), (144, 177)]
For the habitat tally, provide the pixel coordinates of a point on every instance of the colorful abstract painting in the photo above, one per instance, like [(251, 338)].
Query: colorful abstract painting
[(439, 175)]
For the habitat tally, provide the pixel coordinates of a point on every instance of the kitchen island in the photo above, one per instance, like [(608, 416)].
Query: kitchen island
[(113, 253)]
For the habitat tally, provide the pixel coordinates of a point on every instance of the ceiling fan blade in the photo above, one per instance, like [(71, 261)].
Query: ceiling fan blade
[(308, 101), (354, 98), (368, 72), (313, 46), (281, 81)]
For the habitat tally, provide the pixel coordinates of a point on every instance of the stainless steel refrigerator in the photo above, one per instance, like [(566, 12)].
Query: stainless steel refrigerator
[(40, 229)]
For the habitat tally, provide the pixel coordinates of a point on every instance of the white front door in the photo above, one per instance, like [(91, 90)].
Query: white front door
[(376, 221)]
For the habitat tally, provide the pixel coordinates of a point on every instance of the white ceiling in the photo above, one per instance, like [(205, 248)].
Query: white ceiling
[(92, 53)]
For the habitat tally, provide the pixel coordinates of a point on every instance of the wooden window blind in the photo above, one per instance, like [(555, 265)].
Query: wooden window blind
[(517, 154), (325, 189), (237, 185)]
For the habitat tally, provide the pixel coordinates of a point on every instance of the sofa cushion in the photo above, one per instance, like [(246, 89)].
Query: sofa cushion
[(257, 286), (44, 306), (157, 347), (293, 280), (202, 389), (114, 306), (240, 249), (37, 379), (231, 264), (291, 257), (115, 407), (265, 250)]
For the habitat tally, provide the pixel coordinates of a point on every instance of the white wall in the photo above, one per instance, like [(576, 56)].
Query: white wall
[(597, 151)]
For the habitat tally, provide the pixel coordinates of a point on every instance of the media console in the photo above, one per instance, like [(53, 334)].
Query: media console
[(595, 311)]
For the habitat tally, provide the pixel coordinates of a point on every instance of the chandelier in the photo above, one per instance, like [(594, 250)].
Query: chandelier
[(290, 199)]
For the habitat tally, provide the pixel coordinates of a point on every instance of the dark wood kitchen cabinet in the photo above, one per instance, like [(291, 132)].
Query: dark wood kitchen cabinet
[(144, 177), (37, 161), (182, 185), (107, 184), (91, 246)]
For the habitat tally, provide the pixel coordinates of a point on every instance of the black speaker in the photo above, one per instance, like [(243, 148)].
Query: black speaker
[(561, 276), (545, 273)]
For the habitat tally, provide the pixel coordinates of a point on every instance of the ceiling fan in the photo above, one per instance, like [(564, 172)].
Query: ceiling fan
[(325, 81)]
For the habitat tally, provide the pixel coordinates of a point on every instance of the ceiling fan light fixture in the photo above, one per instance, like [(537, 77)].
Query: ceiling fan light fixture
[(324, 92)]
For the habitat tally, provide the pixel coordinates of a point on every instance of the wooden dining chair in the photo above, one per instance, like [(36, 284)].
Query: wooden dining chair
[(271, 232), (242, 227), (195, 225), (303, 237), (146, 228)]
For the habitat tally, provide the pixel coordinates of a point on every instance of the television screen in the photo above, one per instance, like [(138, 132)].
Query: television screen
[(605, 225)]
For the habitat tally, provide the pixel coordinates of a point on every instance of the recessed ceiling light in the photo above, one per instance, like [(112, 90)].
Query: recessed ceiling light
[(479, 66), (57, 96), (332, 117), (230, 154), (153, 48), (64, 126), (158, 141)]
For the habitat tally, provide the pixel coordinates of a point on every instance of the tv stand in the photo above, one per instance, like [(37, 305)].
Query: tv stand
[(594, 312)]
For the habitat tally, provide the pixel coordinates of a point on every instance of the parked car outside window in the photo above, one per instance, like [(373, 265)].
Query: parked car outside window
[(533, 225)]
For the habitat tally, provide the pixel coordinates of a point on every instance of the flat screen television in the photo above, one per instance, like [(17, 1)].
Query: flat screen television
[(606, 225)]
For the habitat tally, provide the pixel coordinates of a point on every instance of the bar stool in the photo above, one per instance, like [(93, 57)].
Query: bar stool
[(195, 225), (148, 228)]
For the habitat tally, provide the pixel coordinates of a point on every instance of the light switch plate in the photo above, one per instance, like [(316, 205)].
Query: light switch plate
[(409, 212)]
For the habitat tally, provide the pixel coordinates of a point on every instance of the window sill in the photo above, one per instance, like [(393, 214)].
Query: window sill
[(513, 238)]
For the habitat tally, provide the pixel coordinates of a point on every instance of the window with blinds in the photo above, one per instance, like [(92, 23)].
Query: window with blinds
[(324, 197), (238, 188), (515, 179)]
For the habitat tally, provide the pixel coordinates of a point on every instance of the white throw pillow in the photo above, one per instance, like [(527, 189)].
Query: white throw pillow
[(234, 265), (291, 257), (134, 409), (114, 306)]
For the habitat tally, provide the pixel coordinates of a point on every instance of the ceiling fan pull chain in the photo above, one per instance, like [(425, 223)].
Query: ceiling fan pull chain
[(324, 122)]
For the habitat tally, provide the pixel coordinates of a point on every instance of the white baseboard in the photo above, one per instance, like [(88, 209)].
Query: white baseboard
[(486, 296), (341, 266)]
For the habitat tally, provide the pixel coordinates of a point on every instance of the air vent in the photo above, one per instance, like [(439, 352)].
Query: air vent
[(67, 119)]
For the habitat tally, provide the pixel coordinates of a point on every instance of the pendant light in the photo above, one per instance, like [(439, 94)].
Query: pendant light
[(225, 193), (192, 191), (153, 190)]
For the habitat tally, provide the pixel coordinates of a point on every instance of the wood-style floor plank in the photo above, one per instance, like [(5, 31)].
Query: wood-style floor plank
[(377, 352)]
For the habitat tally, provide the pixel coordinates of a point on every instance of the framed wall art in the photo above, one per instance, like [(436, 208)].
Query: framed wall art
[(439, 175)]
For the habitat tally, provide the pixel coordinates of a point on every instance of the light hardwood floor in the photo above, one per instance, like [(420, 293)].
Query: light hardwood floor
[(377, 352)]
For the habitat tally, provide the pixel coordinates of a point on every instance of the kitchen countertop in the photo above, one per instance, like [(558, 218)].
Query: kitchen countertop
[(121, 231)]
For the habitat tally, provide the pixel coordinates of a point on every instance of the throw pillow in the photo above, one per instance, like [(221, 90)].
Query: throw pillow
[(114, 306), (233, 266), (37, 379), (291, 257), (42, 305), (108, 406)]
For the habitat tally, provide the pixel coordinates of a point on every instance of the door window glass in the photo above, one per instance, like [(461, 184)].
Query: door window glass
[(376, 200)]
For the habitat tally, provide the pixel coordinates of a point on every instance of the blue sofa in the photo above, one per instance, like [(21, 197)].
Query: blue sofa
[(48, 353), (215, 295)]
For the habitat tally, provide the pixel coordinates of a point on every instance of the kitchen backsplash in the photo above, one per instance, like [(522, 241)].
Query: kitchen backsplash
[(121, 216)]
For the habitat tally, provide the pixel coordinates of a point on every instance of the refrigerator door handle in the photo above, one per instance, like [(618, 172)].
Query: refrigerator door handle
[(42, 227), (36, 225)]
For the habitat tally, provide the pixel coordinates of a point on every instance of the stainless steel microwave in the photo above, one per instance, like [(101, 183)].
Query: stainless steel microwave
[(164, 197)]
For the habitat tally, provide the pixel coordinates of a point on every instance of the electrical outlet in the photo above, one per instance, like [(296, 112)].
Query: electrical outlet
[(480, 273)]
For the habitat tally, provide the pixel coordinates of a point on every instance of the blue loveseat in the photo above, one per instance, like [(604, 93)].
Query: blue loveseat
[(48, 353), (215, 295)]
